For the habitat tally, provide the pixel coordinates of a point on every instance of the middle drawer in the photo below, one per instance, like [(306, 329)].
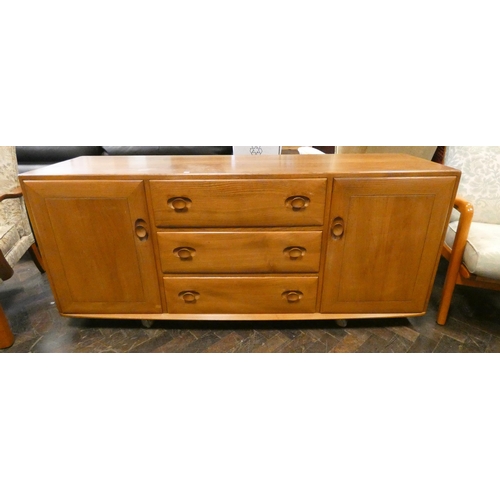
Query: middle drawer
[(240, 252)]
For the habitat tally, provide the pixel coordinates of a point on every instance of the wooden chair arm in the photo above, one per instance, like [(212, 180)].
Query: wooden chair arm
[(464, 207), (466, 210), (14, 193)]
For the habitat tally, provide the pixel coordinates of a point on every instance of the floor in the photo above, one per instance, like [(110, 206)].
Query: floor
[(473, 326)]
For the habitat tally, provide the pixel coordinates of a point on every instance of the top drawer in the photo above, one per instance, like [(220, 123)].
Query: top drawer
[(232, 203)]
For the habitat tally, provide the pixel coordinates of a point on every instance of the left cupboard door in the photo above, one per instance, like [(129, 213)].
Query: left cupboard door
[(96, 244)]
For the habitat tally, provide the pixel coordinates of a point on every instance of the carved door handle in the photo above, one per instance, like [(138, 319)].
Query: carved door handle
[(141, 229), (184, 253), (337, 229), (292, 296), (295, 253), (189, 296), (179, 203), (297, 203)]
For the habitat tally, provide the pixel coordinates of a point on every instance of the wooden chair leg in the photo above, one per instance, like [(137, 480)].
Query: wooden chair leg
[(448, 288), (6, 270), (6, 335), (37, 258)]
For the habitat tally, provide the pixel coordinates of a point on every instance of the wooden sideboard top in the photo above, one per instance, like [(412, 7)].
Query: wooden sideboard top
[(240, 166)]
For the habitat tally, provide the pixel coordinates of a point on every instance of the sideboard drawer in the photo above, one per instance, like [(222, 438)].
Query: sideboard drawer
[(240, 252), (238, 203), (241, 295)]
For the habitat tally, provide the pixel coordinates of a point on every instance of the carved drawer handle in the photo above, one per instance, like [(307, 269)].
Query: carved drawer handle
[(185, 253), (297, 203), (294, 253), (141, 230), (189, 296), (179, 203), (292, 296), (337, 229)]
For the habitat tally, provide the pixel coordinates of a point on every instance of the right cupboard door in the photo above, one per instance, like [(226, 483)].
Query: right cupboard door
[(384, 243)]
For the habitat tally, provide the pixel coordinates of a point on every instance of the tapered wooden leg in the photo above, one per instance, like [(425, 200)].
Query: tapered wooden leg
[(37, 258), (6, 335), (448, 288)]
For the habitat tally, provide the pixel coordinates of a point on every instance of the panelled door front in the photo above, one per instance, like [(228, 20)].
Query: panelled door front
[(95, 241), (384, 243)]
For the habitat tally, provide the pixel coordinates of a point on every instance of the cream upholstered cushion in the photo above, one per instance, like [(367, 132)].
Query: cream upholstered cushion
[(9, 237), (482, 251), (480, 182)]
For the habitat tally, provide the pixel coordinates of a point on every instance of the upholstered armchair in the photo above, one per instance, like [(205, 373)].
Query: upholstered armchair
[(16, 236), (472, 243)]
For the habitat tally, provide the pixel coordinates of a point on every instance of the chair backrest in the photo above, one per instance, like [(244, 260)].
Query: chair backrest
[(13, 211), (480, 182)]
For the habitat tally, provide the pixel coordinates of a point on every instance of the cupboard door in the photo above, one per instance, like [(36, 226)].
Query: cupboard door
[(96, 244), (384, 243)]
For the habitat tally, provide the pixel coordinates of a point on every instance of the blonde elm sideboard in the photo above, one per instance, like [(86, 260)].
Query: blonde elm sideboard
[(241, 237)]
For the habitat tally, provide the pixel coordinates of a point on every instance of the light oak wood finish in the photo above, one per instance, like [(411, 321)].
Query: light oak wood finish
[(241, 316), (240, 252), (241, 295), (239, 203), (321, 236), (237, 167), (98, 252), (384, 243)]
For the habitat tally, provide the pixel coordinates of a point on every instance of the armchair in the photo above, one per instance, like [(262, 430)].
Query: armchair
[(16, 236), (472, 242)]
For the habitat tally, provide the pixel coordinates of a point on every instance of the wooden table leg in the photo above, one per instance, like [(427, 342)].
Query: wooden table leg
[(6, 335)]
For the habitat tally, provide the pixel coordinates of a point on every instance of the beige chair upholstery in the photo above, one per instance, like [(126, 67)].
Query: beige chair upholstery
[(472, 243), (16, 236), (15, 231)]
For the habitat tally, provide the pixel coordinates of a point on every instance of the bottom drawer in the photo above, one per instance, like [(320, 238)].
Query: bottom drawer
[(241, 295)]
